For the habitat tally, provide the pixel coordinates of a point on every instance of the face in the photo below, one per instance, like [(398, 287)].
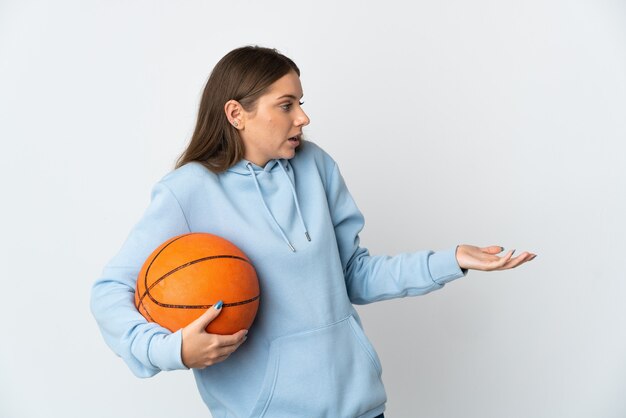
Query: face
[(274, 128)]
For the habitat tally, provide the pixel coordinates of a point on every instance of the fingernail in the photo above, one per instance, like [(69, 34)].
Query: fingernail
[(218, 305), (245, 333)]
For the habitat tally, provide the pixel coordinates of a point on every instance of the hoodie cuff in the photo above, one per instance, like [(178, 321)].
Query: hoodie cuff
[(165, 351), (443, 266)]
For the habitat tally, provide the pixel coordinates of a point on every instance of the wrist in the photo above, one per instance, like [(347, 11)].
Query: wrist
[(457, 254)]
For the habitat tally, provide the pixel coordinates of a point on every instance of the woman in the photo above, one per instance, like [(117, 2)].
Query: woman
[(248, 176)]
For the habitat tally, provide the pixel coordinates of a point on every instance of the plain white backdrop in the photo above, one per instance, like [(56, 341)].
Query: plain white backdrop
[(481, 122)]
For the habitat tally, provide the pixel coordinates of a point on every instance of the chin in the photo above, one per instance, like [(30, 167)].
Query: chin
[(287, 155)]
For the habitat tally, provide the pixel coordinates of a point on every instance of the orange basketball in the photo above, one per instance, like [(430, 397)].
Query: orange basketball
[(189, 273)]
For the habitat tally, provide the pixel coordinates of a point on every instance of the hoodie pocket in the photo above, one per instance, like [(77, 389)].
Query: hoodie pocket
[(331, 371)]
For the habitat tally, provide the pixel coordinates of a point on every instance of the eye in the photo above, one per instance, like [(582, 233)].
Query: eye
[(287, 106)]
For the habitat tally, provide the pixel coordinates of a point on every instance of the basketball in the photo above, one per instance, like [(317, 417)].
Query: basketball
[(188, 274)]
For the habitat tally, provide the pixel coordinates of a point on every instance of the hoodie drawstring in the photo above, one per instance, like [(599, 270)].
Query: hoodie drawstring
[(295, 199), (269, 212)]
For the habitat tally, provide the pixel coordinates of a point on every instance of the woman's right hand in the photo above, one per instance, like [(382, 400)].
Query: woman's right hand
[(201, 349)]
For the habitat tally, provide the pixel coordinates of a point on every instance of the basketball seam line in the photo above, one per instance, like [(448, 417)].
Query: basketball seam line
[(169, 273), (225, 305), (140, 302)]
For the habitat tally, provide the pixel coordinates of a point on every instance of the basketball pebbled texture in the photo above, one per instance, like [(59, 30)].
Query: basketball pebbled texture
[(188, 274)]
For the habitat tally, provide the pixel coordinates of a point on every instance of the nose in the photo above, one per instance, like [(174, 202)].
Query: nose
[(302, 119)]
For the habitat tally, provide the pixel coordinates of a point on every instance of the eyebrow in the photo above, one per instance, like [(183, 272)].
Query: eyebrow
[(290, 96)]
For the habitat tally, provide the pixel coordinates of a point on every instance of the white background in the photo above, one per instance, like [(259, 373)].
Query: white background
[(483, 122)]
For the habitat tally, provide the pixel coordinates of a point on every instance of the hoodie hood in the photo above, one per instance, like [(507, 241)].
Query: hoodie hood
[(245, 167), (241, 167)]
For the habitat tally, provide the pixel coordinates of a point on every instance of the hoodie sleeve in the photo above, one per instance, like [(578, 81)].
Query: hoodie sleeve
[(146, 347), (374, 278)]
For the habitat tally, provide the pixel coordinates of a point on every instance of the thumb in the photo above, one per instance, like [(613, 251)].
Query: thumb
[(209, 315)]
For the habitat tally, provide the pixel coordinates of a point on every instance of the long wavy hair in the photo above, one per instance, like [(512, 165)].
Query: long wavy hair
[(244, 74)]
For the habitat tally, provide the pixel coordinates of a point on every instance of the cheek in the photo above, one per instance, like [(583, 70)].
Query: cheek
[(268, 125), (274, 129)]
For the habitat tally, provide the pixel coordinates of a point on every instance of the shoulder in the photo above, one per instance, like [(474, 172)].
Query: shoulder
[(190, 172), (187, 180)]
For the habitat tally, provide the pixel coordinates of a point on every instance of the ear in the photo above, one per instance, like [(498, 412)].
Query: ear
[(234, 113)]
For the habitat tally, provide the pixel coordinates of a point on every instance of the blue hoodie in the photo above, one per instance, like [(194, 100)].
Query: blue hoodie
[(306, 354)]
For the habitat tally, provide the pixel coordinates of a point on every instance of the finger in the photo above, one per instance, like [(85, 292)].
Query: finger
[(530, 257), (209, 315), (236, 346), (492, 249), (514, 262), (492, 259), (222, 352), (497, 265), (230, 340), (231, 348), (213, 360), (221, 358)]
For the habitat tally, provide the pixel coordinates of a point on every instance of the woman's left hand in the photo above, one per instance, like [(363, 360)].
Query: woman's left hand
[(486, 258)]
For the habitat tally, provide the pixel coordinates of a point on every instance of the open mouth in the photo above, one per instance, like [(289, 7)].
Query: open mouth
[(295, 138)]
